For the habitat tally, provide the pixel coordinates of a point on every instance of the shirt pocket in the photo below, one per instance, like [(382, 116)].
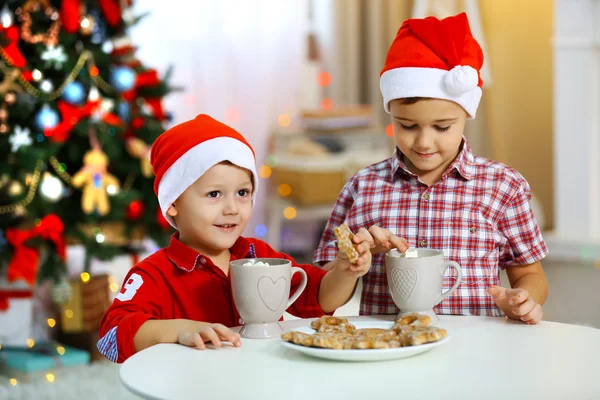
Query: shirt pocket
[(472, 242)]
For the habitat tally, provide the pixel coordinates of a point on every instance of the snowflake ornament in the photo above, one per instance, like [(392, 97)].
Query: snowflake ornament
[(20, 138), (54, 56)]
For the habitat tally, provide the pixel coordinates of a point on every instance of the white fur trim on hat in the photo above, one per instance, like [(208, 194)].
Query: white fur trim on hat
[(196, 161), (458, 85)]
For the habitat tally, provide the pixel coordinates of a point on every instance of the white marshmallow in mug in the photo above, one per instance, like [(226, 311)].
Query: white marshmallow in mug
[(254, 263)]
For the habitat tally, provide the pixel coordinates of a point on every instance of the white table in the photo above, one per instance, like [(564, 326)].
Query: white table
[(486, 358)]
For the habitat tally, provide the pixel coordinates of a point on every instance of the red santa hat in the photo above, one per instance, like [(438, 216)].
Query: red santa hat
[(434, 58), (185, 152)]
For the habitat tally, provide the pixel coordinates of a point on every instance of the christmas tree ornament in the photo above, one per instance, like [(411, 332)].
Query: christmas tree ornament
[(54, 57), (74, 93), (124, 111), (61, 292), (46, 118), (50, 38), (137, 148), (20, 138), (51, 187), (134, 211), (122, 78), (93, 178)]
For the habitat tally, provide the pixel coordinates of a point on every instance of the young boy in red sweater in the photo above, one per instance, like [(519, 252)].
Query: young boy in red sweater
[(206, 183)]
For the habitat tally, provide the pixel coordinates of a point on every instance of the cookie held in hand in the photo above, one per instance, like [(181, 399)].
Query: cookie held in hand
[(344, 240)]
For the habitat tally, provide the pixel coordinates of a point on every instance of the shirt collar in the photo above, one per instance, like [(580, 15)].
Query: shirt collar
[(463, 163), (186, 258)]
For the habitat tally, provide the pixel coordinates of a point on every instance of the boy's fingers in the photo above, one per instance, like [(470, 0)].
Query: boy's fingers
[(365, 235), (363, 247), (517, 296), (497, 292), (225, 333), (209, 335), (379, 235), (524, 308), (399, 243), (534, 316)]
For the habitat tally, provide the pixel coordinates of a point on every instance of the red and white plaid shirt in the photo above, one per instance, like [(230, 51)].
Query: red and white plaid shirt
[(478, 214)]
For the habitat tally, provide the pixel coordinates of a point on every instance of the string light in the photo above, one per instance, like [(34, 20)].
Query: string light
[(260, 230), (284, 120), (30, 343), (100, 238), (289, 213), (13, 381), (36, 74), (114, 287), (389, 130), (85, 23), (69, 314), (111, 190), (6, 17), (50, 377), (326, 104), (85, 277), (51, 322), (46, 86), (324, 79), (60, 350), (271, 160), (285, 190), (264, 171)]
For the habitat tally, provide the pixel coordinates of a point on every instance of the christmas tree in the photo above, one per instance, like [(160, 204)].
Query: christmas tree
[(78, 114)]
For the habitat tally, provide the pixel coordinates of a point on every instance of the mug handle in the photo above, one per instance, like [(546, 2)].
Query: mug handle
[(456, 266), (300, 288)]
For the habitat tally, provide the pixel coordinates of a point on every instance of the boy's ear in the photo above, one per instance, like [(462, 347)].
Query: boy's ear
[(172, 211)]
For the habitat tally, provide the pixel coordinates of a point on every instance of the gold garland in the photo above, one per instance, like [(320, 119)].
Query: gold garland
[(86, 56), (59, 170), (35, 180)]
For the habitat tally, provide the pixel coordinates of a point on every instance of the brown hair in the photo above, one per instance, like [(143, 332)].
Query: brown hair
[(411, 100)]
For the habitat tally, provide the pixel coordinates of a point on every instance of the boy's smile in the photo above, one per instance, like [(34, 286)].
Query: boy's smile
[(429, 133)]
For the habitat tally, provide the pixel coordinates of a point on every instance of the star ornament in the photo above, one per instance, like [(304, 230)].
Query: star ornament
[(20, 138), (54, 56)]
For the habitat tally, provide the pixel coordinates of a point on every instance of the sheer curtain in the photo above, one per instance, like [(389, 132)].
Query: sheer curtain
[(238, 61)]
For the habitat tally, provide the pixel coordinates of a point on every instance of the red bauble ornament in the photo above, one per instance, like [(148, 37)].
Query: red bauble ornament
[(135, 209)]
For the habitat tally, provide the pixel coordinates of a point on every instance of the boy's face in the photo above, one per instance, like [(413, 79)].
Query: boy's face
[(428, 133), (213, 212)]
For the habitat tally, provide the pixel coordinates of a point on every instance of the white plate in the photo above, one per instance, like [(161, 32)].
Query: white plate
[(363, 355)]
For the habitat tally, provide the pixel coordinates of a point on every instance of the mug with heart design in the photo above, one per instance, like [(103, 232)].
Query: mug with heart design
[(261, 292), (415, 283)]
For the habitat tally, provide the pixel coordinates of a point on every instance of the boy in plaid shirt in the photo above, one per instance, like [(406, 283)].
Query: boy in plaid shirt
[(434, 193)]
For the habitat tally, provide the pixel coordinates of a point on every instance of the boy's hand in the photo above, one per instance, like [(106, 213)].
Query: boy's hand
[(214, 333), (363, 264), (382, 240), (517, 304)]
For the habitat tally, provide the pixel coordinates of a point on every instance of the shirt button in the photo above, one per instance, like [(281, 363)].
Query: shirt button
[(203, 260), (473, 229), (426, 196), (423, 243)]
